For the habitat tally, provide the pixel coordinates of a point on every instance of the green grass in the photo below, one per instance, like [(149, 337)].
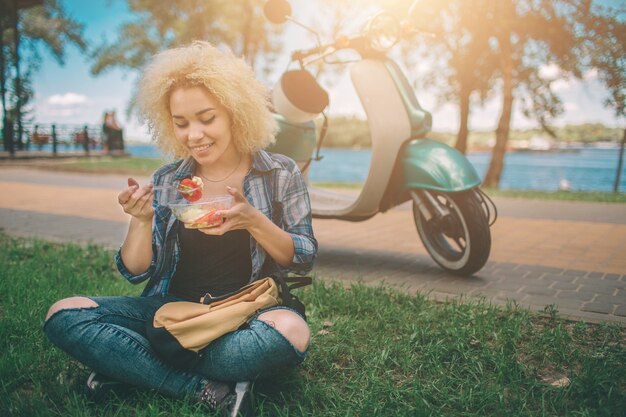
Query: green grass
[(591, 196), (374, 352), (99, 165)]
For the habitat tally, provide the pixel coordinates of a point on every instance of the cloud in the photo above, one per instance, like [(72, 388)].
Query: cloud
[(571, 106), (561, 84), (592, 74), (67, 99), (553, 73), (549, 71)]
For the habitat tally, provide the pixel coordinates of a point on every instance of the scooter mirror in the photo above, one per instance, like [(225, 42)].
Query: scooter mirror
[(277, 11)]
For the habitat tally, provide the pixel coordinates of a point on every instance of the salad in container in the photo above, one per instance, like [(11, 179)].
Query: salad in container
[(190, 206)]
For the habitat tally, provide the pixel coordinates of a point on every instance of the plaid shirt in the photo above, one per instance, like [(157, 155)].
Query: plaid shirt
[(273, 186)]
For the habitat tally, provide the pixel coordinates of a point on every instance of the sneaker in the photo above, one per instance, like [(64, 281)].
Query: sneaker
[(98, 386), (232, 403)]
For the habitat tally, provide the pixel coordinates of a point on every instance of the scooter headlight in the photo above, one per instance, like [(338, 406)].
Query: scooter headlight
[(383, 31)]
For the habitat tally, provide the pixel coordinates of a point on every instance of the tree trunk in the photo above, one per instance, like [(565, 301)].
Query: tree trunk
[(5, 119), (246, 38), (464, 108), (620, 162), (18, 80), (492, 178)]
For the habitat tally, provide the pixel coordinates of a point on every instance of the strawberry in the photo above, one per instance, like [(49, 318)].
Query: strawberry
[(191, 189), (210, 219)]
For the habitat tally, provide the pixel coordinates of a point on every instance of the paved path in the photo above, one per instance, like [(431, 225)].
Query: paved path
[(570, 254)]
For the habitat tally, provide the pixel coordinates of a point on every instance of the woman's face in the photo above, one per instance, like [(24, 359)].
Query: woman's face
[(201, 124)]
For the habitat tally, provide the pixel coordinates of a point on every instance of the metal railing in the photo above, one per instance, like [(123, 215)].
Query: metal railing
[(70, 138)]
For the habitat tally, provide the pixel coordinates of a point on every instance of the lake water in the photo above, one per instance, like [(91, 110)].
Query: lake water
[(587, 169)]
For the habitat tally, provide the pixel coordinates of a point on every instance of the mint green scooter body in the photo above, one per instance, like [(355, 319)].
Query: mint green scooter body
[(426, 163), (436, 166), (421, 162), (296, 140)]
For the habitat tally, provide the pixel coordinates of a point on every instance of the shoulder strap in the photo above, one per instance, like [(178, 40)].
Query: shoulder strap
[(297, 282)]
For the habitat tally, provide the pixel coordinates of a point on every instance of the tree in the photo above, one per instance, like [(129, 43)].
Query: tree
[(44, 27), (605, 43), (463, 61), (160, 25), (530, 33)]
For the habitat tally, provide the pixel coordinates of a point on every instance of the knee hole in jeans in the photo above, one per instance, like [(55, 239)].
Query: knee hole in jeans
[(70, 303), (290, 325)]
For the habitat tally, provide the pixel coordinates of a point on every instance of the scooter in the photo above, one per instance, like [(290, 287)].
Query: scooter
[(452, 215)]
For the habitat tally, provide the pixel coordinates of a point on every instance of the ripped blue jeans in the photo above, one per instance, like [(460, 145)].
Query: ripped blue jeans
[(111, 340)]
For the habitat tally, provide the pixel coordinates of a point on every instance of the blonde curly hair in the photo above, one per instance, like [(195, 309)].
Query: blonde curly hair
[(228, 78)]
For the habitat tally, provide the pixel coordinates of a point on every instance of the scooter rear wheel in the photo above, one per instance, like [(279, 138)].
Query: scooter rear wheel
[(461, 242)]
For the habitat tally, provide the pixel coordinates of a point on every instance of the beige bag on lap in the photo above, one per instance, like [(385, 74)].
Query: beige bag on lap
[(181, 329)]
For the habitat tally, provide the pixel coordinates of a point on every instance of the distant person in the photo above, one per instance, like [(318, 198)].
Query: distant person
[(204, 106), (113, 133)]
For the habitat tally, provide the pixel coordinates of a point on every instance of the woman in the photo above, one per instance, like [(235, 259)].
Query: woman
[(203, 105), (113, 133)]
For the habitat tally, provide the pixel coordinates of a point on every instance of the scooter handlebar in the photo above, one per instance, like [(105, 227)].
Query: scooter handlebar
[(341, 42), (305, 53)]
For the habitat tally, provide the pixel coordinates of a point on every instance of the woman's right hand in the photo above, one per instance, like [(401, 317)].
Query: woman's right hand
[(137, 201)]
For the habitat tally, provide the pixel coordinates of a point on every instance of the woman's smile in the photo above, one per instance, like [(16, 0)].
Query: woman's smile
[(203, 147)]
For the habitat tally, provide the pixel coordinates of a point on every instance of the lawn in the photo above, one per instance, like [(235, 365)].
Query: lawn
[(374, 352)]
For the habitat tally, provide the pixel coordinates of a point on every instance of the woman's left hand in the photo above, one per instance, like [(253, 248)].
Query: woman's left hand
[(242, 215)]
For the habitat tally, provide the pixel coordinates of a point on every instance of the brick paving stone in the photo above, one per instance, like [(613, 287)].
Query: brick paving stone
[(506, 265), (562, 304), (541, 268), (505, 295), (435, 271), (427, 278), (534, 275), (597, 308), (575, 295), (599, 289), (538, 290), (609, 299), (557, 277), (595, 274), (601, 283), (507, 285), (620, 311), (574, 272), (563, 285), (489, 266), (612, 277), (449, 286), (473, 283), (511, 273)]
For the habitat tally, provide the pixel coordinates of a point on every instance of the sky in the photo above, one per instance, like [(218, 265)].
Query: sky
[(70, 94)]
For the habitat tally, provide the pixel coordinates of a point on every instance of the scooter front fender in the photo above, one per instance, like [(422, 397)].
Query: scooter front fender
[(436, 166)]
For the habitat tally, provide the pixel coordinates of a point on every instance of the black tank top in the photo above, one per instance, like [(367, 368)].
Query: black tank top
[(211, 264)]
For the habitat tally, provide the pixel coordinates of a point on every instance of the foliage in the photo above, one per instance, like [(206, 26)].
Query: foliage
[(352, 132), (605, 43), (528, 34), (375, 351), (161, 25), (463, 61), (46, 27)]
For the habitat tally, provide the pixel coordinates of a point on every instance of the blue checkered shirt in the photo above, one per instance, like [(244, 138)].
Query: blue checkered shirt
[(274, 186)]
